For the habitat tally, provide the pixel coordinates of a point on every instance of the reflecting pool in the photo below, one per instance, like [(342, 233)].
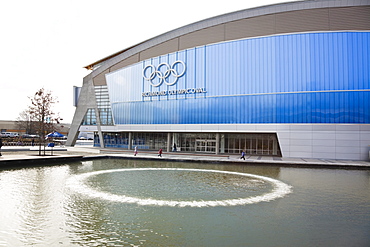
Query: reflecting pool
[(117, 202)]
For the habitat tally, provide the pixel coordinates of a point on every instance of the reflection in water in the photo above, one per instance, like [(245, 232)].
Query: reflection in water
[(31, 200), (327, 207)]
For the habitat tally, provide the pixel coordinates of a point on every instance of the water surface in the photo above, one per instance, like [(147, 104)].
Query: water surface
[(41, 206)]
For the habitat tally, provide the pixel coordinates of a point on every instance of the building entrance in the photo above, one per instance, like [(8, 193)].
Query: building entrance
[(205, 146)]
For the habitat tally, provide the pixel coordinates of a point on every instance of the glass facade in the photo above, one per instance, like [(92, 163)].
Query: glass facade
[(90, 117), (149, 141), (197, 142), (102, 101), (252, 144), (115, 140), (296, 78)]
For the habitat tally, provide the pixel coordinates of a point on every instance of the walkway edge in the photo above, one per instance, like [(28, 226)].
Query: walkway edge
[(298, 164), (26, 161), (33, 160)]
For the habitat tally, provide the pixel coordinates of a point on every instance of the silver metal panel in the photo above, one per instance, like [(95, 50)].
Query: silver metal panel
[(99, 80), (302, 20), (203, 37), (160, 49), (350, 18), (130, 60), (256, 26)]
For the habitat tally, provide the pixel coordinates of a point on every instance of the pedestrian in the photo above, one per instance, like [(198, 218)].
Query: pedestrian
[(243, 154), (174, 147), (160, 152), (33, 142), (1, 144), (135, 151)]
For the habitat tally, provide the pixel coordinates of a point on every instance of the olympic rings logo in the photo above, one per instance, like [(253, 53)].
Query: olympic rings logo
[(163, 76)]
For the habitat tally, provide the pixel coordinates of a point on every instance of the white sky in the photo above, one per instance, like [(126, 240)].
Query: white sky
[(46, 43)]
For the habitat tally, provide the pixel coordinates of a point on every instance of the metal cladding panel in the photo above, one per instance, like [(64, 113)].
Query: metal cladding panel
[(350, 18), (99, 80), (296, 78), (202, 37), (302, 20), (128, 61), (257, 26), (163, 48)]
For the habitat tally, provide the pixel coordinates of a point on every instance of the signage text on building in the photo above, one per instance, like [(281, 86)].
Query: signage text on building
[(175, 92)]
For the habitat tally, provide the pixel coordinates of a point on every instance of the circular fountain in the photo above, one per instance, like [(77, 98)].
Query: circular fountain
[(237, 184)]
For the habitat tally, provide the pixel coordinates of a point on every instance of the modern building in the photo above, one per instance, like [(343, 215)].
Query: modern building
[(290, 79)]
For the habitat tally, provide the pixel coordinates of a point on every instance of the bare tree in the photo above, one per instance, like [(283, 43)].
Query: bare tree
[(41, 114), (24, 122)]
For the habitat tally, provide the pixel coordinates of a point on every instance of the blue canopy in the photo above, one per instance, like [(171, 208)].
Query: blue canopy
[(55, 134)]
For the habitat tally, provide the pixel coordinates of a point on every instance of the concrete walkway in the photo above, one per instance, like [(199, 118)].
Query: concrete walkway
[(20, 155), (24, 156)]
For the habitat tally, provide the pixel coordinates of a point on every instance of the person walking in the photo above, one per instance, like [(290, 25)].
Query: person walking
[(174, 147), (243, 154), (1, 144), (160, 152), (135, 151)]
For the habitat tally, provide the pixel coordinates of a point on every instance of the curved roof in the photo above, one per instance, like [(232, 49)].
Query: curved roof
[(104, 63), (199, 25)]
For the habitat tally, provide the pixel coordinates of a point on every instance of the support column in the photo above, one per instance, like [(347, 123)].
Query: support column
[(98, 123), (217, 143), (168, 142), (274, 146), (222, 144), (129, 140), (86, 100)]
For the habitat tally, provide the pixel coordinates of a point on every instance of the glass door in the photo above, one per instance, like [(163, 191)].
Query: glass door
[(205, 146)]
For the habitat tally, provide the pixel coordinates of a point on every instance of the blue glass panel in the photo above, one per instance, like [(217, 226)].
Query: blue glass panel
[(297, 78)]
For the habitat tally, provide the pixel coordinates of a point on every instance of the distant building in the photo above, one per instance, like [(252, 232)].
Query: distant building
[(8, 126), (290, 79), (12, 126)]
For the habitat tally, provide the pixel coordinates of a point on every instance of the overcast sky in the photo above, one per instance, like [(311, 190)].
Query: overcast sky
[(46, 43)]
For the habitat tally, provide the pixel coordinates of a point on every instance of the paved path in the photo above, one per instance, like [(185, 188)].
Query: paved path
[(261, 160), (25, 154)]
